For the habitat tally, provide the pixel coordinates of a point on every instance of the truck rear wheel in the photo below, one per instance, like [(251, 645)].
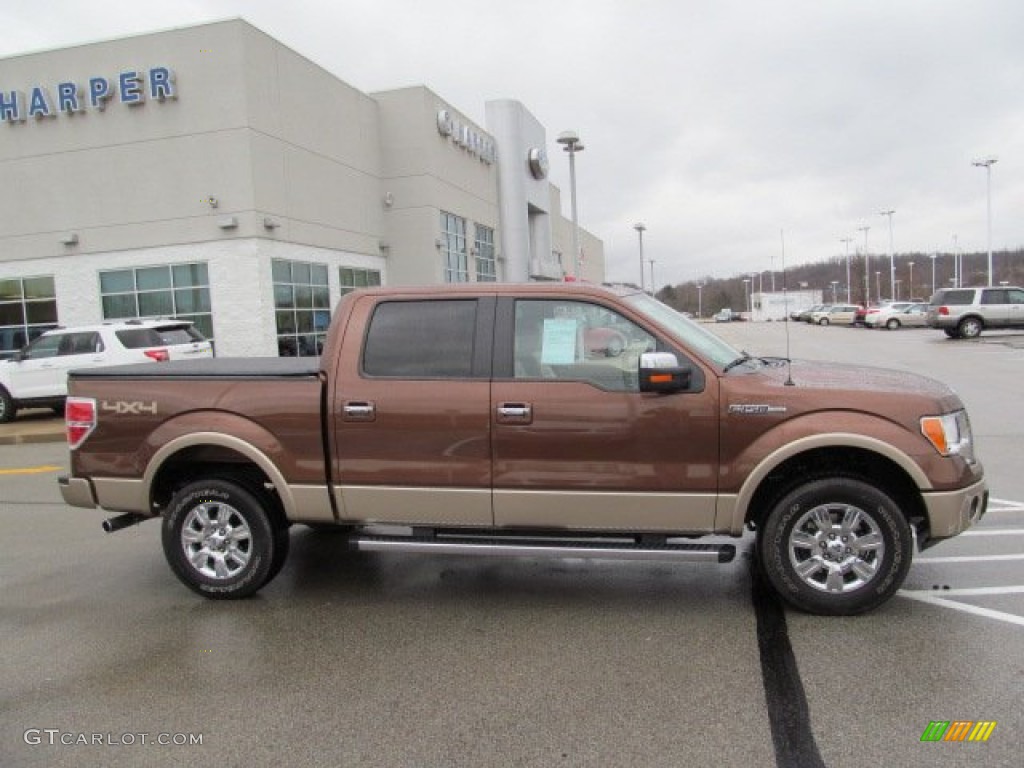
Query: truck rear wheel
[(222, 540), (835, 546)]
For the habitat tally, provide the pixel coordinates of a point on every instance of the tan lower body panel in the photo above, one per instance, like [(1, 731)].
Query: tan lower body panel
[(415, 506), (121, 495), (310, 504), (952, 512), (581, 510)]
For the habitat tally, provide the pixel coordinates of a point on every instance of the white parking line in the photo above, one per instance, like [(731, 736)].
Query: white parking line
[(1004, 505), (994, 532), (968, 558), (969, 591), (988, 613)]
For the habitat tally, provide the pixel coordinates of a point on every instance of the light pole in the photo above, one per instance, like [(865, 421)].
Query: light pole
[(958, 278), (896, 290), (700, 287), (746, 287), (654, 288), (892, 257), (986, 163), (878, 285), (847, 240), (910, 288), (639, 227), (933, 257), (572, 145), (867, 267)]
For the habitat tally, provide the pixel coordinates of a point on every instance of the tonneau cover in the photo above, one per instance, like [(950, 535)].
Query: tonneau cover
[(209, 368)]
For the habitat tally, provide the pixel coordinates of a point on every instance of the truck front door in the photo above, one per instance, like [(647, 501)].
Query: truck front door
[(576, 444)]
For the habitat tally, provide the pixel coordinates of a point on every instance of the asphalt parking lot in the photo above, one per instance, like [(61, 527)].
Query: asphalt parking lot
[(403, 660)]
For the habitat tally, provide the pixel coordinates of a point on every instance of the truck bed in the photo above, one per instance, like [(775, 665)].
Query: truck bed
[(210, 368)]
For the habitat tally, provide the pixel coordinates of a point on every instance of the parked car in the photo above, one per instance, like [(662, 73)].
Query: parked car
[(725, 316), (891, 318), (36, 376), (965, 312), (887, 308), (805, 316), (837, 314)]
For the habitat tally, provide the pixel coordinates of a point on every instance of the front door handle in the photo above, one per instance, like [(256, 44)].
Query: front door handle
[(515, 413), (359, 410)]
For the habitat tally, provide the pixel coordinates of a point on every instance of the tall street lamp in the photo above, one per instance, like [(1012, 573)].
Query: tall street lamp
[(910, 288), (847, 241), (639, 227), (878, 286), (933, 257), (654, 289), (700, 288), (958, 277), (572, 145), (746, 285), (986, 163), (867, 267), (892, 257)]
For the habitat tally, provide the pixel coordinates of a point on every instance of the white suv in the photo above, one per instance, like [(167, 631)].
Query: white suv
[(37, 376)]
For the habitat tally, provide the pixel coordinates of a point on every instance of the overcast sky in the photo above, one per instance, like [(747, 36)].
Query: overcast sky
[(716, 123)]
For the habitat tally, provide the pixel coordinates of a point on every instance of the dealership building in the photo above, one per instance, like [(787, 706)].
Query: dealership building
[(212, 173)]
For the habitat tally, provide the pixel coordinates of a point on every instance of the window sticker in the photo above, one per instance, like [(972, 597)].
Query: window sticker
[(559, 343)]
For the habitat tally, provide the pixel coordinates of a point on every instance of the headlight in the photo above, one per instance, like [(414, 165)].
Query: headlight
[(950, 434)]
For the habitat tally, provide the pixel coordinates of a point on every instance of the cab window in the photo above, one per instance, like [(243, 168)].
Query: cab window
[(578, 341)]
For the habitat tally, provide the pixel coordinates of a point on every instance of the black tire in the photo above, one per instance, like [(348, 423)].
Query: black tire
[(892, 324), (823, 559), (8, 410), (823, 321), (951, 332), (970, 328), (236, 541)]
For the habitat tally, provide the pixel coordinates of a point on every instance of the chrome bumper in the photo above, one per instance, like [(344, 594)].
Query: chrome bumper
[(953, 512)]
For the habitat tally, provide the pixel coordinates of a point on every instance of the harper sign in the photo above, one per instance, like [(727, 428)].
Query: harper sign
[(130, 87)]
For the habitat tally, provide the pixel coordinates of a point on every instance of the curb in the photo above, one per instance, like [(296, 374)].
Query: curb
[(22, 438)]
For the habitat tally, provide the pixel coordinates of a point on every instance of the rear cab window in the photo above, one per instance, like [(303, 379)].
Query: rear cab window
[(428, 339)]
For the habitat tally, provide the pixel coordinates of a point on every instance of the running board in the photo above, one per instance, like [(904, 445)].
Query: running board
[(687, 553)]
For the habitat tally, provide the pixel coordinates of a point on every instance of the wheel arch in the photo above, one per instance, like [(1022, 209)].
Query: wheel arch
[(224, 455), (849, 455)]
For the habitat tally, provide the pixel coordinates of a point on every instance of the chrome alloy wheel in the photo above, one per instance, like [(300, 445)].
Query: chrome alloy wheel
[(836, 548), (216, 540)]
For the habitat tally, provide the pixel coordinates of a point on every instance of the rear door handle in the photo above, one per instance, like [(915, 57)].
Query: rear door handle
[(359, 410), (515, 413)]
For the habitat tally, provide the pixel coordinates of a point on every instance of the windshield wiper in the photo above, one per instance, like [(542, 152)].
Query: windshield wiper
[(738, 361)]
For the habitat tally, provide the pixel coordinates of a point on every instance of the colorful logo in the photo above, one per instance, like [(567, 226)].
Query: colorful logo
[(958, 730)]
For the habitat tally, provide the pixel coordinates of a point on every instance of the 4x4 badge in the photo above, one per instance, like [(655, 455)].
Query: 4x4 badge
[(125, 407)]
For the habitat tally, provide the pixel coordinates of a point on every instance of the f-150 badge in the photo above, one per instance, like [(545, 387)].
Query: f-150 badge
[(751, 410), (125, 407)]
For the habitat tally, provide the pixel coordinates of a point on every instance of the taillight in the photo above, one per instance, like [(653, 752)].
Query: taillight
[(944, 310), (80, 419), (160, 355)]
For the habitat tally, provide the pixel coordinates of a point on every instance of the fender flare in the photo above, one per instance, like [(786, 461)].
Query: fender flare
[(735, 518)]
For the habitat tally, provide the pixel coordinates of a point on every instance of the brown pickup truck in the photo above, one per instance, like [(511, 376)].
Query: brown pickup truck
[(530, 420)]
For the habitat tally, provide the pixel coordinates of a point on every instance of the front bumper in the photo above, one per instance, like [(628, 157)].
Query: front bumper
[(953, 512)]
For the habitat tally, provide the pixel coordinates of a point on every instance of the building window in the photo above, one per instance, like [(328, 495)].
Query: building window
[(486, 266), (302, 307), (170, 290), (351, 278), (28, 306), (453, 247)]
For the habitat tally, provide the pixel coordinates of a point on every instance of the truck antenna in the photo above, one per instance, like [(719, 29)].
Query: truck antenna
[(785, 308)]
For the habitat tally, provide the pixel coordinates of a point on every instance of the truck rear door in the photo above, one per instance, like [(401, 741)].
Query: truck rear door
[(410, 411)]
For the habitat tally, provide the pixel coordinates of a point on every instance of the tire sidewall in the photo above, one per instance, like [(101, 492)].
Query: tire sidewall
[(970, 328), (7, 407), (259, 568), (773, 546)]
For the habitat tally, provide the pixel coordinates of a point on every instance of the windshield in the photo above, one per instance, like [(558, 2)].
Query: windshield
[(690, 333)]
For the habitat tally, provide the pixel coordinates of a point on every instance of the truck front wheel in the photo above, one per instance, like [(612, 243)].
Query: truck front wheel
[(221, 540), (835, 546)]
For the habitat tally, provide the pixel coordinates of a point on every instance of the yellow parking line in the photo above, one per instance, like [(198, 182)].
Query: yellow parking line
[(29, 470)]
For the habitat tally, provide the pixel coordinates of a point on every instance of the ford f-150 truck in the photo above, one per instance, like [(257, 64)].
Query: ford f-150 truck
[(530, 420)]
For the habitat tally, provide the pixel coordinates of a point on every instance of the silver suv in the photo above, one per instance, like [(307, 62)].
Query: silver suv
[(965, 312)]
